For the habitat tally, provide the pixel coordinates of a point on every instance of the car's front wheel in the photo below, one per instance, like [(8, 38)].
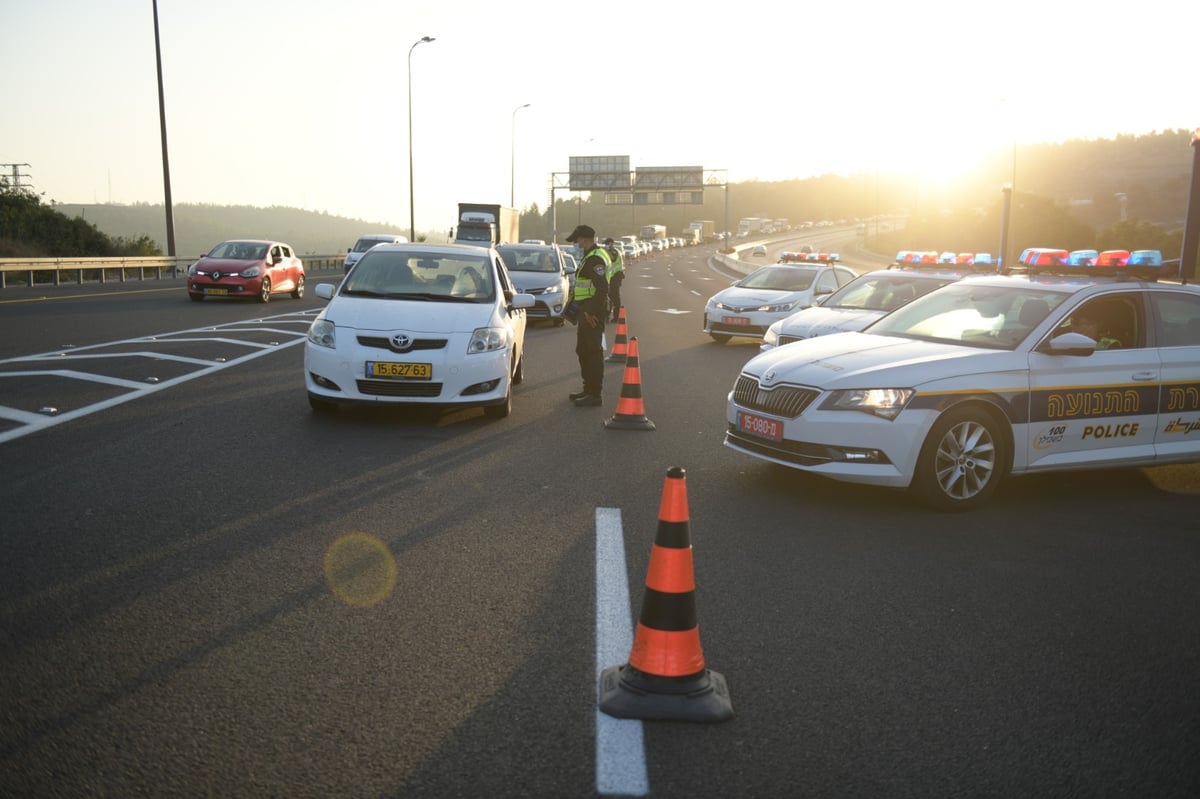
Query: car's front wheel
[(298, 292), (720, 338), (264, 291), (195, 297), (962, 461), (321, 405), (501, 410)]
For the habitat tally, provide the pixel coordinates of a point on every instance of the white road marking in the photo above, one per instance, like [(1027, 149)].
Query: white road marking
[(620, 749), (33, 422)]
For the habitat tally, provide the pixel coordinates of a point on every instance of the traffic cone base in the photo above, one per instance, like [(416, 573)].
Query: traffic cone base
[(631, 413), (626, 693)]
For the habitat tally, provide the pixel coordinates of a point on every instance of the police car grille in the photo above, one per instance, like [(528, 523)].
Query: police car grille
[(786, 401), (398, 388), (789, 339), (384, 343)]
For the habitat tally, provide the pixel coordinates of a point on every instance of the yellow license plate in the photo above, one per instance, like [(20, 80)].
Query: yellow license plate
[(217, 292), (400, 371)]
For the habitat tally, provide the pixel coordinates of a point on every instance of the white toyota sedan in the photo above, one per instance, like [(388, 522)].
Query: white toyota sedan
[(421, 324), (982, 378), (751, 305)]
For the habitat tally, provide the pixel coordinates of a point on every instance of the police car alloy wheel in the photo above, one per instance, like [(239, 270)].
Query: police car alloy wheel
[(962, 461)]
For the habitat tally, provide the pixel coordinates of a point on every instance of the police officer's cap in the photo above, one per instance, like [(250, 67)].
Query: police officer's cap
[(582, 232)]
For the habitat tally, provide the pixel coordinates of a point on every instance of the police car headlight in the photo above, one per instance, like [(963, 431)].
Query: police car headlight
[(883, 402), (486, 339)]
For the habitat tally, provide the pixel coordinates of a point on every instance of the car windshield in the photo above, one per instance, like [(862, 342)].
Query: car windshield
[(417, 275), (362, 245), (239, 251), (782, 278), (993, 317), (529, 259), (885, 292)]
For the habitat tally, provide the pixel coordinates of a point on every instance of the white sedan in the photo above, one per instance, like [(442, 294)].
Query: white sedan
[(982, 378), (424, 324), (752, 304)]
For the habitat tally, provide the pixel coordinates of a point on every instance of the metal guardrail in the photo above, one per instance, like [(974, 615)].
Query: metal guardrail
[(36, 272)]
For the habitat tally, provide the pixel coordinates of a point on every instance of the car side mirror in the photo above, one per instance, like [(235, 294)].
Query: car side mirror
[(1069, 344)]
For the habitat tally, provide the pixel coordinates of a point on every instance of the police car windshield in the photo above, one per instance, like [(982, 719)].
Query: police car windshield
[(780, 278), (885, 292), (989, 317)]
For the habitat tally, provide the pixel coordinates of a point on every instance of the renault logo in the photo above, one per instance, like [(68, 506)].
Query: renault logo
[(401, 342), (216, 275)]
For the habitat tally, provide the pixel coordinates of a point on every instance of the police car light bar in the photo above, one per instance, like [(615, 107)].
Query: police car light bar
[(1139, 264)]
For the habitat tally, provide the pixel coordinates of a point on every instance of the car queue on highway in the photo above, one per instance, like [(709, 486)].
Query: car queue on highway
[(947, 380)]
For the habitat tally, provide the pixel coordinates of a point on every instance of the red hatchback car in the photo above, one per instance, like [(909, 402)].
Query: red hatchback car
[(246, 268)]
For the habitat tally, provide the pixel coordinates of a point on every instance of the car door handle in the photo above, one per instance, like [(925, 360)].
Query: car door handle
[(1145, 376)]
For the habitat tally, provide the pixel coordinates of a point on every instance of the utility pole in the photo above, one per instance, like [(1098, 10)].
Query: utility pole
[(162, 124), (15, 180)]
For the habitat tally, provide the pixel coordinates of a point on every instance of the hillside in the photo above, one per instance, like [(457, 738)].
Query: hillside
[(199, 227)]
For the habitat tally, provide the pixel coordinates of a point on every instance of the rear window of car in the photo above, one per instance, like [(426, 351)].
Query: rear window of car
[(394, 274), (529, 259)]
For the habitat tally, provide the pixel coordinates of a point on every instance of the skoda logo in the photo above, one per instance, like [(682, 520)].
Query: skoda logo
[(401, 342), (769, 377)]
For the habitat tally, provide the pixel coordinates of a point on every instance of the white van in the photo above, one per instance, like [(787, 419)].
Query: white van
[(366, 242)]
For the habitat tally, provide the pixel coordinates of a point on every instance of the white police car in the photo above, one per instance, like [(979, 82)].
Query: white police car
[(752, 304), (982, 378), (861, 301)]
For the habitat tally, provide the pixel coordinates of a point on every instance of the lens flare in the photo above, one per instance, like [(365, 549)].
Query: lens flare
[(360, 570)]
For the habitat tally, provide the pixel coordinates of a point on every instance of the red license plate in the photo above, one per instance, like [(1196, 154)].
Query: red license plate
[(760, 426), (735, 320)]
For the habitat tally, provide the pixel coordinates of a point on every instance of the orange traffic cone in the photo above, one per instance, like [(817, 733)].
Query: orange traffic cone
[(620, 345), (665, 678), (631, 413)]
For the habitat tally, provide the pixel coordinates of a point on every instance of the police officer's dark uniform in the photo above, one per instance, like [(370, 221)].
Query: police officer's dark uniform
[(591, 301)]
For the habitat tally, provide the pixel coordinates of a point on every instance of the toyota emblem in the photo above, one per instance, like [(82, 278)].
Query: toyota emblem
[(401, 341)]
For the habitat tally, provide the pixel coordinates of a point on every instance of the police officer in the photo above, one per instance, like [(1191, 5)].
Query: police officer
[(590, 312), (616, 276)]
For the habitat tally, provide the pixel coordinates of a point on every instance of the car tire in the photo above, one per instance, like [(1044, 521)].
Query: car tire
[(501, 410), (321, 405), (963, 460), (519, 372), (264, 291), (195, 297), (720, 338), (298, 292)]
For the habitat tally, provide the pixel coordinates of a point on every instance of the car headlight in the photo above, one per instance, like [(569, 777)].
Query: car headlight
[(322, 332), (192, 270), (883, 402), (553, 290), (487, 339), (787, 306), (771, 337), (251, 272)]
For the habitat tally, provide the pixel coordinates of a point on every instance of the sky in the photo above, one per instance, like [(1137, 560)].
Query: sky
[(306, 104)]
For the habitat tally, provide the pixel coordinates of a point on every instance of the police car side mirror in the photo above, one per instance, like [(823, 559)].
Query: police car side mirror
[(1069, 344)]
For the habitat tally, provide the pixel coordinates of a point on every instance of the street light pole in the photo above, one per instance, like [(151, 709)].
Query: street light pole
[(512, 196), (412, 214)]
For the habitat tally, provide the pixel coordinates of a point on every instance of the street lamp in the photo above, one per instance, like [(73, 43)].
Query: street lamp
[(512, 195), (412, 214)]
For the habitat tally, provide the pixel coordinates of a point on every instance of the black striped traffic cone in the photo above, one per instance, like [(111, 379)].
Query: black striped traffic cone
[(631, 412), (665, 678), (620, 345)]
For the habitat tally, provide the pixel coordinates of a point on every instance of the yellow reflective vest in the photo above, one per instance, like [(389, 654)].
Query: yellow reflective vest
[(584, 289)]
